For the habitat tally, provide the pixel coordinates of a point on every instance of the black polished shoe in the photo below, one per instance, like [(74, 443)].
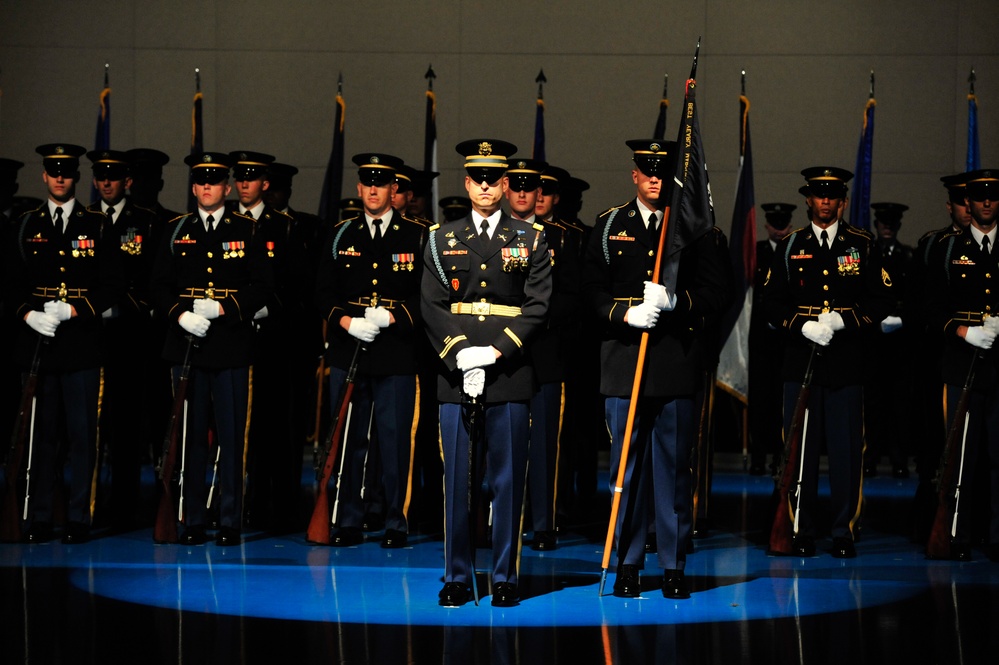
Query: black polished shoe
[(347, 536), (843, 548), (804, 546), (675, 585), (394, 539), (454, 594), (628, 583), (194, 535), (372, 522), (40, 532), (544, 541), (505, 594), (228, 536), (76, 533), (960, 551)]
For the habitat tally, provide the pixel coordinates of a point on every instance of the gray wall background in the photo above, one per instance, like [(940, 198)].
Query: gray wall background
[(269, 72)]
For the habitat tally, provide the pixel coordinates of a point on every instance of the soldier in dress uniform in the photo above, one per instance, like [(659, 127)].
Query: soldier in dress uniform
[(826, 287), (963, 304), (455, 207), (486, 289), (273, 476), (8, 186), (928, 350), (548, 349), (130, 365), (62, 271), (617, 267), (766, 349), (369, 293), (420, 206), (350, 208), (211, 277), (888, 394), (147, 181)]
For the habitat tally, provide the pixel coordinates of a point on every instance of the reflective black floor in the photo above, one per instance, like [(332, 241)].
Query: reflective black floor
[(278, 599)]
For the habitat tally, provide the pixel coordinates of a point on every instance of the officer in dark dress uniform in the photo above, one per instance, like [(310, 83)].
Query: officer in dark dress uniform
[(369, 293), (617, 267), (63, 271), (130, 359), (963, 304), (825, 288), (303, 339), (272, 477), (766, 350), (548, 351), (455, 207), (486, 289), (928, 414), (212, 275), (888, 391), (147, 181)]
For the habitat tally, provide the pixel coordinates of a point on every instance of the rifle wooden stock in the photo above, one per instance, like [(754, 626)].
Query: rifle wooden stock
[(10, 516), (782, 529), (320, 381), (939, 542), (319, 525), (165, 528)]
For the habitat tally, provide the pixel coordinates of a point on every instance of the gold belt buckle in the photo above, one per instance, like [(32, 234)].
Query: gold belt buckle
[(210, 291), (63, 292), (481, 308)]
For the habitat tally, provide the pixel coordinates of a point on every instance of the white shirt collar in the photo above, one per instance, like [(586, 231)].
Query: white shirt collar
[(831, 230), (978, 235), (67, 208), (492, 220), (645, 211)]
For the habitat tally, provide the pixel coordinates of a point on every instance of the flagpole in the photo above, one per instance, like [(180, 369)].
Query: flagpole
[(430, 142), (539, 120), (644, 343), (660, 131), (973, 158)]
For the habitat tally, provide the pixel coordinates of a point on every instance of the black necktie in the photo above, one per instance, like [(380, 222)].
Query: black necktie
[(484, 231), (60, 222), (210, 221), (824, 239), (653, 224), (110, 214), (985, 245), (378, 228)]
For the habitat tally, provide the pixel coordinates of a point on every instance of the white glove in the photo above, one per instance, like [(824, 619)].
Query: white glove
[(642, 316), (832, 319), (42, 323), (59, 309), (210, 309), (657, 296), (474, 381), (378, 316), (992, 323), (817, 332), (195, 324), (980, 336), (261, 313), (362, 329), (475, 356), (891, 324)]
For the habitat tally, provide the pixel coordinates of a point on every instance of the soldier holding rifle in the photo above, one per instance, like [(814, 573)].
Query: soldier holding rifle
[(63, 270), (825, 287), (210, 278), (963, 305), (369, 293)]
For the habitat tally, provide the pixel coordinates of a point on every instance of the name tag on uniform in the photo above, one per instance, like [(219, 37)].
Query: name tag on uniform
[(454, 252), (963, 261), (347, 252), (801, 256), (622, 237)]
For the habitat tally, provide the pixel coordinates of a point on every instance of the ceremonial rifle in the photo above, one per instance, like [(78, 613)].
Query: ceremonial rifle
[(319, 525), (951, 463), (165, 528), (24, 430), (784, 526)]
